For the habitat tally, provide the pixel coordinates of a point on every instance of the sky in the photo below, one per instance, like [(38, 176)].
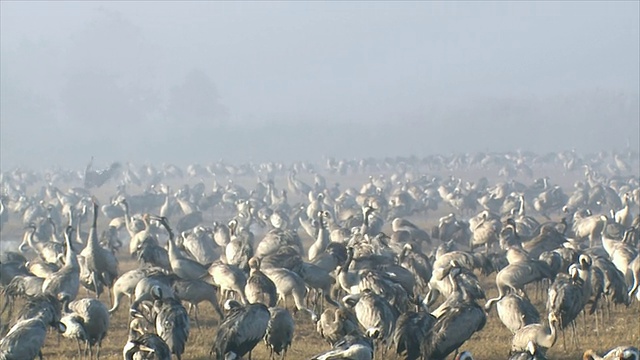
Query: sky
[(198, 81)]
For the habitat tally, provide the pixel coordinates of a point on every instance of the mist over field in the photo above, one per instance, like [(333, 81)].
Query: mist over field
[(200, 81)]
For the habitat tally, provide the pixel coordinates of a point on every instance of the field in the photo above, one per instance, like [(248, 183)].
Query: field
[(618, 328)]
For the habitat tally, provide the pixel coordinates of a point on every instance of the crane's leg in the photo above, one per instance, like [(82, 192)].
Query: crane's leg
[(79, 349), (95, 284), (195, 315), (110, 295)]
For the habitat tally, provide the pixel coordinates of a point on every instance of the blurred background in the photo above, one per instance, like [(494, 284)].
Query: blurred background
[(187, 82)]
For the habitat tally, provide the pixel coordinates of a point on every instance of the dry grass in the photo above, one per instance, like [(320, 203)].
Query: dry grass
[(493, 342)]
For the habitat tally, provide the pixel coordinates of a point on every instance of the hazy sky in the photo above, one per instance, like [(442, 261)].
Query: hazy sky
[(126, 75)]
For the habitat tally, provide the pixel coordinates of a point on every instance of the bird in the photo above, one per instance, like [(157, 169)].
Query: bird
[(126, 285), (21, 286), (515, 276), (279, 333), (544, 337), (411, 329), (144, 345), (516, 312), (374, 314), (229, 279), (194, 292), (452, 329), (25, 339), (92, 317), (182, 266), (102, 263), (171, 323), (618, 353), (322, 239), (531, 353), (352, 347), (259, 287), (289, 283), (485, 230), (242, 329), (66, 281), (567, 296), (48, 251), (334, 325), (418, 235)]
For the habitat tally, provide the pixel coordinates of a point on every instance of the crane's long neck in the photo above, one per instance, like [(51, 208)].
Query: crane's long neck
[(127, 218), (521, 208), (70, 260), (323, 237), (166, 200), (31, 237), (365, 222), (54, 231), (78, 229), (72, 219), (347, 262), (553, 332), (93, 233)]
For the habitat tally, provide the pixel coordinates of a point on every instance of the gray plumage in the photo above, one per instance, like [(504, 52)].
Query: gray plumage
[(243, 328), (259, 287), (452, 329), (334, 325), (95, 321), (172, 324), (101, 262), (411, 330), (542, 336), (515, 312), (182, 266), (66, 281), (279, 334), (194, 292), (24, 340)]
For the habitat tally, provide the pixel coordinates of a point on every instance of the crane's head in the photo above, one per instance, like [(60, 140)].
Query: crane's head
[(465, 355)]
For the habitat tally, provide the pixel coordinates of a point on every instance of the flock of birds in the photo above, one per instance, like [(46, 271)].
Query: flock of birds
[(408, 291)]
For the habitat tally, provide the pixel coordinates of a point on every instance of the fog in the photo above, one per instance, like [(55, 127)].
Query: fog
[(200, 81)]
